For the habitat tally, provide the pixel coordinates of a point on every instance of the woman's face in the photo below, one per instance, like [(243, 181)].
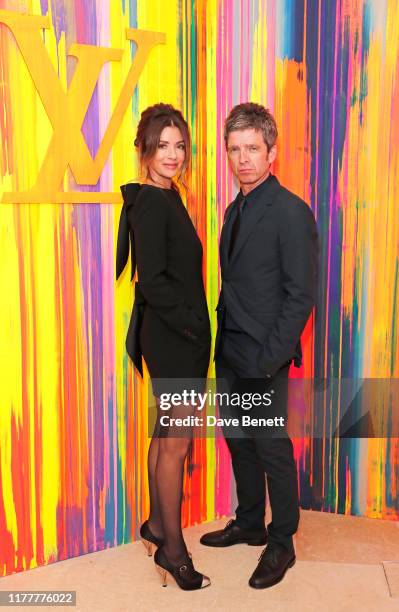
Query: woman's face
[(169, 158)]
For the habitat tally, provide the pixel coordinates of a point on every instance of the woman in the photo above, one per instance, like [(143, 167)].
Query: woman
[(170, 322)]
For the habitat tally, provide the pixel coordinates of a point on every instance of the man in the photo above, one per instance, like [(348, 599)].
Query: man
[(268, 254)]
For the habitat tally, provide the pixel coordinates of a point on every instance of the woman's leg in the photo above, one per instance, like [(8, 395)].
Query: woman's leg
[(174, 443), (154, 519)]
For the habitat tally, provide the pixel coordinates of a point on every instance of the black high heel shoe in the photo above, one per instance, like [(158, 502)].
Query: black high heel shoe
[(148, 538), (186, 576)]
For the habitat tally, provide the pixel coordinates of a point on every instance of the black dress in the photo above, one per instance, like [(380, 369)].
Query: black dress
[(170, 325)]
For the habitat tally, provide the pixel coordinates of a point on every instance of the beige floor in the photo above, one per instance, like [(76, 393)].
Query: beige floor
[(344, 564)]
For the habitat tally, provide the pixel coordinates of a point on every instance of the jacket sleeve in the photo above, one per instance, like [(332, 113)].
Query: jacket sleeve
[(299, 268), (149, 220)]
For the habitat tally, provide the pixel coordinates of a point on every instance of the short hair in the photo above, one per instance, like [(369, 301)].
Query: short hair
[(153, 120), (252, 115)]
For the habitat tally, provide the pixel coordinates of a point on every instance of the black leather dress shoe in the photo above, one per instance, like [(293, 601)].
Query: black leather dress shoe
[(233, 534), (273, 563)]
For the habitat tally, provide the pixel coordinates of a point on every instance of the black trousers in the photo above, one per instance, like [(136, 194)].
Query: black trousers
[(256, 451)]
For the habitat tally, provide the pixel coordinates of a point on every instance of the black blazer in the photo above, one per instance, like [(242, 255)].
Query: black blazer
[(170, 292), (269, 284)]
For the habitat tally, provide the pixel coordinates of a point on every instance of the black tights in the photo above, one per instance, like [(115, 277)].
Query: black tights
[(166, 455)]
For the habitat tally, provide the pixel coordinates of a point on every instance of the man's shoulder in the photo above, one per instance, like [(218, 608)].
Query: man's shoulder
[(289, 198), (291, 204)]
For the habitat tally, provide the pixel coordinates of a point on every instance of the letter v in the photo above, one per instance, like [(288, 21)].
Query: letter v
[(66, 111)]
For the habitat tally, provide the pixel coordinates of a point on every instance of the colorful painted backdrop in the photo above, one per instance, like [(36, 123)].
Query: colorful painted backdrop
[(73, 430)]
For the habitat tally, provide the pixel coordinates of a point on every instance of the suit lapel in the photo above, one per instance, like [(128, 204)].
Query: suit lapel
[(256, 209), (225, 234)]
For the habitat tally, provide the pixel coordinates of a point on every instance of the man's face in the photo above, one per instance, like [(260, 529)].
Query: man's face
[(248, 156)]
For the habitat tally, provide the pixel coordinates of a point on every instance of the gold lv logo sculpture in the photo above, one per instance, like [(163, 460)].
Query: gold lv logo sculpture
[(67, 110)]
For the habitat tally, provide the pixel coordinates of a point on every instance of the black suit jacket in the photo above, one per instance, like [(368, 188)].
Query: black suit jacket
[(269, 284), (169, 295)]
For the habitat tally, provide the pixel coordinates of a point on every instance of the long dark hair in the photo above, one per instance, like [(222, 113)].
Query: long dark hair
[(153, 120)]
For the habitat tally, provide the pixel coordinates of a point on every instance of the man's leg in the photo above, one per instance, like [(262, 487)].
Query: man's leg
[(277, 458), (249, 526), (282, 485), (248, 470), (276, 454)]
